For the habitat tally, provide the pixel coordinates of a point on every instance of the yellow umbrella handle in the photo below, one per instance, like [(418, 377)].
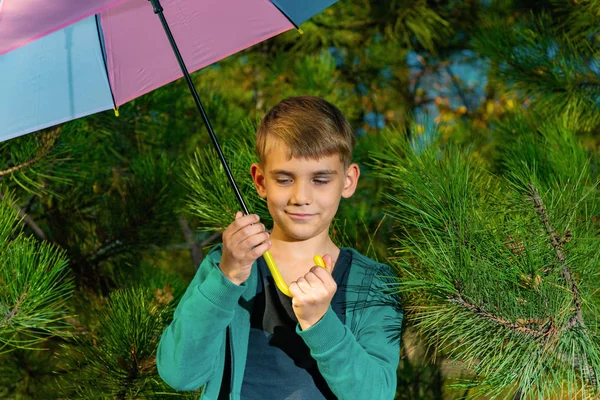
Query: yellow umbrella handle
[(277, 276)]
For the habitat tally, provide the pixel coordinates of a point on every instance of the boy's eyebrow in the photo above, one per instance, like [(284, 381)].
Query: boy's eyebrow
[(288, 173)]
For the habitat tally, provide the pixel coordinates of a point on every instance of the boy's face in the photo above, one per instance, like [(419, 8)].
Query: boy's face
[(303, 195)]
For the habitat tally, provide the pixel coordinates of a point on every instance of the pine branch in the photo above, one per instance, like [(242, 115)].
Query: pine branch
[(35, 286), (132, 375), (467, 246), (577, 319), (48, 142), (10, 314), (105, 251), (210, 239), (18, 167), (28, 220), (195, 249), (543, 330)]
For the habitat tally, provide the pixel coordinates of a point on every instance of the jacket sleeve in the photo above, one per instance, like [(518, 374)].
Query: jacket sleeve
[(189, 346), (362, 366)]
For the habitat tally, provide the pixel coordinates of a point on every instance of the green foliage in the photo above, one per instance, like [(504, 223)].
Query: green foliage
[(26, 373), (119, 357), (138, 215), (106, 190), (211, 197), (554, 70), (501, 271), (34, 162), (421, 374), (407, 23), (34, 286), (579, 19)]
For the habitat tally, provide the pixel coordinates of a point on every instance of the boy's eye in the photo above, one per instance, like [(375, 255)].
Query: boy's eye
[(317, 181)]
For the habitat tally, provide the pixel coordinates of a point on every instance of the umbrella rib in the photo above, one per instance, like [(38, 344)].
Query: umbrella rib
[(104, 58)]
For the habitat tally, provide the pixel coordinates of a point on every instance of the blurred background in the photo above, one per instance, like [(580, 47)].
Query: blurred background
[(105, 219)]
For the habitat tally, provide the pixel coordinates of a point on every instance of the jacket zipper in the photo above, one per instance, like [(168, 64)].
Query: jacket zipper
[(232, 363)]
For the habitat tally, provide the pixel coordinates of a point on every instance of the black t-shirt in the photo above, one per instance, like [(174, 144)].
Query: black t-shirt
[(279, 364)]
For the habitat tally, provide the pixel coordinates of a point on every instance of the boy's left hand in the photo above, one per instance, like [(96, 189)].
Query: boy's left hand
[(312, 294)]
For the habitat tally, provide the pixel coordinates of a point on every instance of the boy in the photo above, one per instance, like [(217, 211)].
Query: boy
[(236, 333)]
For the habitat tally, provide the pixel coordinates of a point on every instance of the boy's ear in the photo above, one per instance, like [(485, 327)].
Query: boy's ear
[(350, 180), (258, 177)]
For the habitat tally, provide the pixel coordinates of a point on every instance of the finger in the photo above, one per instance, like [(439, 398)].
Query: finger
[(254, 240), (322, 274), (326, 278), (248, 231), (313, 280), (241, 223), (260, 250), (304, 285), (230, 229), (295, 290)]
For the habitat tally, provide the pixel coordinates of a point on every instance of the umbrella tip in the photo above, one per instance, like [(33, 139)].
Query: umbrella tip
[(300, 31), (116, 111)]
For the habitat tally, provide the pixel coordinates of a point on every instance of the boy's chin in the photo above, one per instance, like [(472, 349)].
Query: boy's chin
[(300, 232)]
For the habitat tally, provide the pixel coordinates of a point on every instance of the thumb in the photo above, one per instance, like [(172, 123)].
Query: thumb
[(328, 260), (238, 214)]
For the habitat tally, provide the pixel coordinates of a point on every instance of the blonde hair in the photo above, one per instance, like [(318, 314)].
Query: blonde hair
[(310, 127)]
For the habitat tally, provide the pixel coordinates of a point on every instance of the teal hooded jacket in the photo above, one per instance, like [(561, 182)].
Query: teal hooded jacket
[(358, 360)]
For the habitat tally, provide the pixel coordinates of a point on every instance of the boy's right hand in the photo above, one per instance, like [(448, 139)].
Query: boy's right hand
[(243, 242)]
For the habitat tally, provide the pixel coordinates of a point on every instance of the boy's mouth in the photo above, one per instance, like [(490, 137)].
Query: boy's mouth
[(299, 215)]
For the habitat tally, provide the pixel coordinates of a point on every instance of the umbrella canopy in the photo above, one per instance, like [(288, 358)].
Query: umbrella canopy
[(65, 59), (62, 61)]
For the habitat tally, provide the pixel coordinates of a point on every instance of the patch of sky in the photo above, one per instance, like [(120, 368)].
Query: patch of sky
[(425, 113), (429, 134), (470, 70), (412, 61), (469, 89), (472, 74), (375, 120), (465, 65)]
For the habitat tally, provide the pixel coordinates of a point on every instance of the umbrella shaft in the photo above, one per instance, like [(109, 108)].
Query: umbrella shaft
[(159, 11)]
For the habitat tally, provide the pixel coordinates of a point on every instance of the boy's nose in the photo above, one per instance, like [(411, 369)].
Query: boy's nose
[(301, 195)]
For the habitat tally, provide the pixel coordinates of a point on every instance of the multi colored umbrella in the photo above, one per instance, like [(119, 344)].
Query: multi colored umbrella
[(66, 59)]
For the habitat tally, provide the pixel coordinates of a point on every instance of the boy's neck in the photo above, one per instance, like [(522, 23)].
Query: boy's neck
[(288, 251)]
